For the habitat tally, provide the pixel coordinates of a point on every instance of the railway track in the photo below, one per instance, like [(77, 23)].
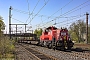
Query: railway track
[(77, 47), (37, 54), (22, 54), (62, 55), (83, 46)]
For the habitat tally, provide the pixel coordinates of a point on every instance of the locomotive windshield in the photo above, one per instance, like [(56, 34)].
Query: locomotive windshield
[(63, 33)]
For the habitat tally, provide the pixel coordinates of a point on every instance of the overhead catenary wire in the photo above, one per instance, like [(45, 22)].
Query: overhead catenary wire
[(53, 20), (72, 12), (59, 9), (72, 9), (75, 17), (18, 20), (62, 8), (32, 11), (39, 15), (24, 12), (71, 19), (45, 1), (65, 20), (28, 11), (61, 23), (75, 8), (35, 7), (68, 23), (20, 11), (78, 9), (39, 11)]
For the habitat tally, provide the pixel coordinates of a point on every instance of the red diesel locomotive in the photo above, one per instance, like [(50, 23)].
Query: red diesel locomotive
[(56, 38)]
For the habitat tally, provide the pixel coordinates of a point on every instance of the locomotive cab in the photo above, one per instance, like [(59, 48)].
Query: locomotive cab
[(64, 41), (47, 36)]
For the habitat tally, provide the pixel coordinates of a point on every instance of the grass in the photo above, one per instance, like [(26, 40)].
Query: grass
[(8, 56), (7, 59)]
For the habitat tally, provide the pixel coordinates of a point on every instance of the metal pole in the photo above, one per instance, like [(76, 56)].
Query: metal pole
[(10, 21), (25, 28), (79, 33), (87, 28), (16, 32), (32, 35)]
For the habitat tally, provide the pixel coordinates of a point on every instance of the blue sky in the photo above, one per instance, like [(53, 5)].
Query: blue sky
[(68, 9)]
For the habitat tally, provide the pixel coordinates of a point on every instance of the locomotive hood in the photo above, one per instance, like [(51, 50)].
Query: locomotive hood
[(51, 27)]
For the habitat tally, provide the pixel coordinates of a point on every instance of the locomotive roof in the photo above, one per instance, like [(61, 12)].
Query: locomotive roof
[(51, 27)]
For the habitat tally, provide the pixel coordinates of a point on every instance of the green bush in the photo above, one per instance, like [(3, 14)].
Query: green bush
[(6, 46)]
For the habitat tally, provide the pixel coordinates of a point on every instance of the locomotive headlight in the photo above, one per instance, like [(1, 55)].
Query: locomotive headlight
[(69, 39), (60, 38)]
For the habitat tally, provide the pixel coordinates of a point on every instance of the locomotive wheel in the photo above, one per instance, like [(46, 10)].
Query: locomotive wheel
[(62, 48), (45, 44), (54, 47), (42, 45), (69, 48), (38, 43), (50, 46), (69, 45)]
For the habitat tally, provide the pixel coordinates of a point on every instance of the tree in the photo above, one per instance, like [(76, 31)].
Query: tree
[(38, 32), (6, 45), (77, 30), (2, 25)]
